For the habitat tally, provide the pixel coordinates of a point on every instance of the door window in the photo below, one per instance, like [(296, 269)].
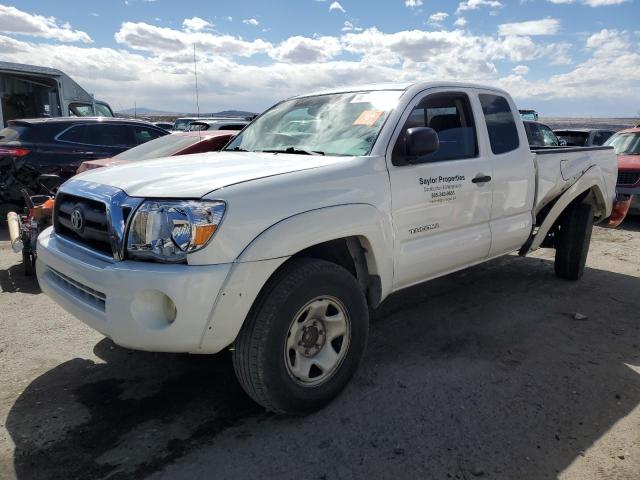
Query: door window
[(602, 136), (106, 135), (97, 135), (501, 125), (144, 134), (549, 138), (449, 114), (80, 110)]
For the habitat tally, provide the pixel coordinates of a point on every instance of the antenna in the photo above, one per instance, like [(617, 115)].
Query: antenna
[(195, 73)]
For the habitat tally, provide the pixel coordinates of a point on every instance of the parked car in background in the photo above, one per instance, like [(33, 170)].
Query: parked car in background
[(181, 124), (540, 135), (179, 143), (531, 115), (626, 144), (583, 137), (31, 147), (165, 125), (203, 124)]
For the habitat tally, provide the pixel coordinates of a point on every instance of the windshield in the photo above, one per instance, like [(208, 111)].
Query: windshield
[(182, 123), (573, 139), (625, 143), (164, 146), (197, 126), (335, 124)]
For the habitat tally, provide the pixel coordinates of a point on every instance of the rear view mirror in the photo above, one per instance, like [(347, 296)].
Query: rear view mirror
[(421, 141)]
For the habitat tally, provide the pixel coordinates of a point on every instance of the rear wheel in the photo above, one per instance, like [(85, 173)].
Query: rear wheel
[(572, 241), (304, 338)]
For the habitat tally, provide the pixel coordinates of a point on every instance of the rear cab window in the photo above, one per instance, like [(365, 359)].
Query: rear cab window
[(450, 115), (501, 125)]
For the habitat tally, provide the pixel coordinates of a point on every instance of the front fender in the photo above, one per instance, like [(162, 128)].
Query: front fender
[(298, 232), (269, 250)]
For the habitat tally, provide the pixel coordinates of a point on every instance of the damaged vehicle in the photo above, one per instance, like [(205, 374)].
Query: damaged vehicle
[(32, 147), (626, 144), (278, 246), (178, 143)]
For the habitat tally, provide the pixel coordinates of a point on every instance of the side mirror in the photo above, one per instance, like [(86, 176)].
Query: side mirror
[(421, 141), (563, 142)]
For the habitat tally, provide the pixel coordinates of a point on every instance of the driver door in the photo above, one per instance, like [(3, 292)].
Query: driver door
[(441, 203)]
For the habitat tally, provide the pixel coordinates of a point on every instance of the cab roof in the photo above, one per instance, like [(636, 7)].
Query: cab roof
[(406, 86)]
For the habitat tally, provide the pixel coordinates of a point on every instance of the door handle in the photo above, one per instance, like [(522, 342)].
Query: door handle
[(481, 179)]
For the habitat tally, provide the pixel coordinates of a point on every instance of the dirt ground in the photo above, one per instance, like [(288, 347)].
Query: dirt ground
[(485, 373)]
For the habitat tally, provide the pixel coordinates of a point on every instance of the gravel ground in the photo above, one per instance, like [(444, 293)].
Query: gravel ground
[(485, 373)]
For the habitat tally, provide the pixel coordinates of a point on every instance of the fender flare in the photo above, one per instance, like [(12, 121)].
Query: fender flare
[(590, 181), (306, 229), (275, 245)]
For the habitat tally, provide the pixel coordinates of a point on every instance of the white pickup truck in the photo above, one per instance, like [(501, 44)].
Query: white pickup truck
[(279, 245)]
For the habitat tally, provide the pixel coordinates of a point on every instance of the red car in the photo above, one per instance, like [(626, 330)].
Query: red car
[(179, 143), (626, 143)]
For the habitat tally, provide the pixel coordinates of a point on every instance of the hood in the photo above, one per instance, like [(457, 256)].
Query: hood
[(629, 162), (103, 162), (193, 176)]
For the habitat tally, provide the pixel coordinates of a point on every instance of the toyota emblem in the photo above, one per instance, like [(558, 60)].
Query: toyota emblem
[(77, 219)]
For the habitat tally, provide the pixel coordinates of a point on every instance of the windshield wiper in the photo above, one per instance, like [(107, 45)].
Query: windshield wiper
[(294, 151), (236, 149)]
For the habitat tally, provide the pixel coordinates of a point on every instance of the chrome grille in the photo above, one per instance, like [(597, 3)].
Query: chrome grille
[(628, 178), (95, 230), (105, 212)]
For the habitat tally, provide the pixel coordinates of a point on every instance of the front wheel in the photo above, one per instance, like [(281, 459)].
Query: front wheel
[(304, 338)]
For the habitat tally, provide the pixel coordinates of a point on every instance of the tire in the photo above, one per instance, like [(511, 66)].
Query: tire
[(572, 241), (270, 362)]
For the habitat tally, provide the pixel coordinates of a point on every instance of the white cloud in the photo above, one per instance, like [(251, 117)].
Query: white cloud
[(162, 40), (336, 6), (412, 3), (591, 3), (476, 4), (437, 18), (16, 21), (251, 21), (153, 65), (306, 50), (547, 26), (521, 70), (196, 24), (603, 3), (460, 22), (350, 27)]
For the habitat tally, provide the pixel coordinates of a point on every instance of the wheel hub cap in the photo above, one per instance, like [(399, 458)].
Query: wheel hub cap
[(312, 338), (317, 341)]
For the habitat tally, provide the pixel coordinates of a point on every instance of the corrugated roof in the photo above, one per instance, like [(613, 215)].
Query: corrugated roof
[(24, 68)]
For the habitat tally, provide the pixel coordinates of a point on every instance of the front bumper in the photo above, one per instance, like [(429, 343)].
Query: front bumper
[(132, 302)]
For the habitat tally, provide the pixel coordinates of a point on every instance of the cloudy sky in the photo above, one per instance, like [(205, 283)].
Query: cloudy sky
[(562, 57)]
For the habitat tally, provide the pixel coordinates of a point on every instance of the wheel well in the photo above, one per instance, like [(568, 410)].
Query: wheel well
[(588, 196), (350, 253)]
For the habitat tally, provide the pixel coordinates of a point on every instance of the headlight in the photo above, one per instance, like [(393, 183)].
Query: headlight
[(166, 231)]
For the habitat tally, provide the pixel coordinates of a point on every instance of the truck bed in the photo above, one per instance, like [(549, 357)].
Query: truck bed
[(560, 167)]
